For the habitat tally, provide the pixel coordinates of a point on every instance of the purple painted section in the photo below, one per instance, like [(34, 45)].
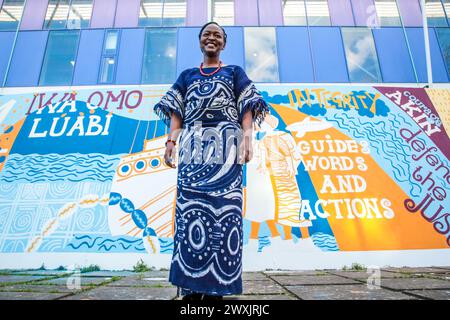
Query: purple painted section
[(246, 13), (365, 13), (270, 13), (196, 12), (341, 13), (34, 15), (411, 12), (103, 13), (127, 13), (1, 2)]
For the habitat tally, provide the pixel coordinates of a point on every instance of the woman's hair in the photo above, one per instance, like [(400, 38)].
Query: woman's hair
[(212, 22)]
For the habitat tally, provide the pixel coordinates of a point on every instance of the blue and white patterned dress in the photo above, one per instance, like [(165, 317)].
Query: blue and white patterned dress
[(207, 255)]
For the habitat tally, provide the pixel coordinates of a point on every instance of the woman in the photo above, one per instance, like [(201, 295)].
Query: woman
[(216, 106)]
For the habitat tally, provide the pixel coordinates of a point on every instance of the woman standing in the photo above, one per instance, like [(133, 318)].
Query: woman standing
[(216, 106)]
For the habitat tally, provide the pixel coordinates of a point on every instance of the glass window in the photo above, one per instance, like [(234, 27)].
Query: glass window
[(109, 57), (174, 13), (362, 60), (111, 40), (388, 13), (444, 42), (159, 56), (294, 12), (150, 13), (261, 61), (318, 13), (157, 13), (222, 12), (107, 71), (57, 13), (447, 9), (10, 14), (59, 60), (435, 13), (70, 14), (79, 14)]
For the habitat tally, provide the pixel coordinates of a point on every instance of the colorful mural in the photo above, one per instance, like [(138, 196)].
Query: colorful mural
[(335, 169)]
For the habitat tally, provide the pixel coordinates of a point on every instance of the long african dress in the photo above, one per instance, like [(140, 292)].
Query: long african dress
[(208, 237)]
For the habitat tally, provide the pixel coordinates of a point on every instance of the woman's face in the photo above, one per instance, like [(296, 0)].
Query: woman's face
[(212, 40)]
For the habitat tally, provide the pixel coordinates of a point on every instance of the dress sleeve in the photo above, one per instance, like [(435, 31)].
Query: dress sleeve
[(248, 97), (172, 101)]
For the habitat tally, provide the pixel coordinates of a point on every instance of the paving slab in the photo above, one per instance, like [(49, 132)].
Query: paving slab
[(415, 283), (345, 292), (108, 274), (84, 281), (297, 273), (254, 276), (39, 288), (312, 280), (30, 296), (128, 293), (260, 297), (7, 279), (416, 270), (362, 275), (262, 287), (42, 272), (431, 294), (136, 281)]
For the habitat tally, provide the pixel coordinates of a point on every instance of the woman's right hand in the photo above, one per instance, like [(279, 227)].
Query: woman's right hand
[(169, 155)]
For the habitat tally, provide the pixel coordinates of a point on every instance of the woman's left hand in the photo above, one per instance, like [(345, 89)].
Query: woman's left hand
[(245, 151)]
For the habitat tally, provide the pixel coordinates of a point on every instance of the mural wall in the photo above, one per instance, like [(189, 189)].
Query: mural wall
[(335, 170)]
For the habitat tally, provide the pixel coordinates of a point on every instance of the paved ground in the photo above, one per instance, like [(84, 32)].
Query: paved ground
[(394, 283)]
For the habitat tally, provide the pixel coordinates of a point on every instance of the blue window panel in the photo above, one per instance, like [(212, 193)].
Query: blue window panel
[(6, 42), (416, 43), (294, 56), (27, 59), (189, 54), (88, 58), (129, 62), (393, 55), (328, 54), (234, 49), (437, 59), (160, 54)]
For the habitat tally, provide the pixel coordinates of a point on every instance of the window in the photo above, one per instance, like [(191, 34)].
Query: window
[(294, 12), (444, 42), (109, 57), (447, 9), (261, 59), (59, 60), (222, 12), (435, 13), (388, 13), (157, 13), (70, 14), (361, 55), (159, 56), (304, 12), (10, 14), (318, 13)]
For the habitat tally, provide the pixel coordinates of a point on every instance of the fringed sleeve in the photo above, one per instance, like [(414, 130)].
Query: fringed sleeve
[(172, 101), (248, 97)]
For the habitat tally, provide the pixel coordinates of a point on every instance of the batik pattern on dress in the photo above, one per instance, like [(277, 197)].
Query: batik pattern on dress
[(208, 239)]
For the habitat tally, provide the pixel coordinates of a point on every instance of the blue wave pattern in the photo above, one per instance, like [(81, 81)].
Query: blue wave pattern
[(390, 148), (166, 245), (325, 241), (87, 243), (73, 167)]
